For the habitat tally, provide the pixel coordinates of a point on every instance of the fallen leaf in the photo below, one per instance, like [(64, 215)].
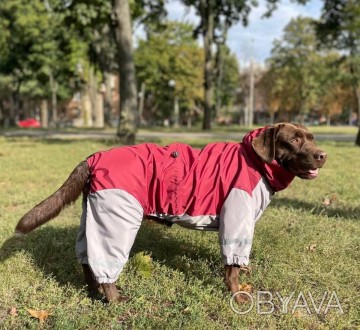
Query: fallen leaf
[(13, 311), (187, 310), (297, 314), (242, 297), (143, 264), (41, 315), (311, 248), (327, 201), (246, 287)]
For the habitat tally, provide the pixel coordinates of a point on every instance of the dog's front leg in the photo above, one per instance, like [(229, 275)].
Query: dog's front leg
[(112, 293), (232, 281), (232, 277)]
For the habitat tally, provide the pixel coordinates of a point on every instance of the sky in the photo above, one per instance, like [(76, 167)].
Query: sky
[(255, 41)]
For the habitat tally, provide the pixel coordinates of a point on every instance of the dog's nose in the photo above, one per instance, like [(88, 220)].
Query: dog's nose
[(321, 156)]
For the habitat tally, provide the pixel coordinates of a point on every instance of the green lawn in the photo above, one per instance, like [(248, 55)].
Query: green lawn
[(301, 246), (236, 129)]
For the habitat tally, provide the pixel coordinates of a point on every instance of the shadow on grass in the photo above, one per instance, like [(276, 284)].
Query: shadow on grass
[(351, 213), (53, 251)]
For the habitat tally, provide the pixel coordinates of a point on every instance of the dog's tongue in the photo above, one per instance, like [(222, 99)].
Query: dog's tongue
[(313, 173)]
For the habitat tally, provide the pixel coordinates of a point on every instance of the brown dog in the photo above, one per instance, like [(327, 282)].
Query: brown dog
[(224, 187)]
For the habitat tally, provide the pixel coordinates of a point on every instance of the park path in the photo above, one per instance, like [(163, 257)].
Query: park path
[(143, 135)]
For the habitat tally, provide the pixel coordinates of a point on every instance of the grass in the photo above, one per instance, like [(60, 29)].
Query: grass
[(241, 129), (300, 245), (217, 129)]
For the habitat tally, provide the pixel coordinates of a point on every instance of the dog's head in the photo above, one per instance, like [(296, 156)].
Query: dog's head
[(293, 147)]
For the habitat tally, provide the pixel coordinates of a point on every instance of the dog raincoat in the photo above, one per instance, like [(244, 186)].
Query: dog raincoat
[(224, 187)]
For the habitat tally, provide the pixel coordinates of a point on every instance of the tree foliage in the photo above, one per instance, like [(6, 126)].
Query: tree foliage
[(227, 79), (215, 18), (170, 54), (295, 60), (35, 47), (302, 78), (339, 28)]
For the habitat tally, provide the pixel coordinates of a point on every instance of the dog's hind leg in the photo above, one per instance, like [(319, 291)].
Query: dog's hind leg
[(110, 290), (232, 277), (93, 285), (232, 282), (106, 236)]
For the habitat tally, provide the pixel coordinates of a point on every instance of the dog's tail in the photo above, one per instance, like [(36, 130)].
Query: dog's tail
[(52, 206)]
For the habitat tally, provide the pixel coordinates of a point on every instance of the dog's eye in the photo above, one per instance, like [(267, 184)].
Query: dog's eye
[(296, 140)]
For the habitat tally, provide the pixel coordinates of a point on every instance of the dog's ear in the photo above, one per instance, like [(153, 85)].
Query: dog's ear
[(264, 144)]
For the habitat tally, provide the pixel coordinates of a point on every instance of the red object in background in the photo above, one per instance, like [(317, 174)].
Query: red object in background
[(29, 123)]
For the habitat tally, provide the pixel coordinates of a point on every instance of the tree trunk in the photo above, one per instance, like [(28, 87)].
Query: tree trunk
[(207, 17), (219, 77), (355, 74), (99, 111), (92, 92), (44, 117), (105, 62), (250, 122), (272, 118), (357, 93), (128, 95), (108, 107), (141, 104), (14, 108), (87, 109), (219, 68), (53, 88)]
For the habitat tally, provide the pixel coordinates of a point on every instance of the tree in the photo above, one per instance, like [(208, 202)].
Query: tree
[(216, 17), (115, 19), (34, 57), (227, 78), (128, 90), (295, 68), (302, 78), (93, 22), (334, 95), (170, 55), (340, 28)]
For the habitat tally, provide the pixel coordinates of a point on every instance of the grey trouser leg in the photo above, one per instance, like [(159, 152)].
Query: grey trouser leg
[(108, 228), (81, 243)]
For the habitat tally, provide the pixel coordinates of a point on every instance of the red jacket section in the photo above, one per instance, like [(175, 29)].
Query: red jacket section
[(178, 179)]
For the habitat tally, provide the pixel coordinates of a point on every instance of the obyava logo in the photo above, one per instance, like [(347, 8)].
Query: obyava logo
[(265, 302)]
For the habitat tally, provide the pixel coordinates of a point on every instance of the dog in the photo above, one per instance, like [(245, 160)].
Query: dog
[(226, 186)]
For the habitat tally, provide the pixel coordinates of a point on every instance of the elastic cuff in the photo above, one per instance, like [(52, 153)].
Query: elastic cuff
[(236, 260), (106, 280)]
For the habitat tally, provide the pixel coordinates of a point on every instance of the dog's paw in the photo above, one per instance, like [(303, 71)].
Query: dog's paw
[(242, 298), (120, 299), (123, 299)]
